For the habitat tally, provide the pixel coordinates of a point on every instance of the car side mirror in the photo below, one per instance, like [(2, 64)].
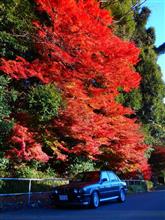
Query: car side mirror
[(104, 180)]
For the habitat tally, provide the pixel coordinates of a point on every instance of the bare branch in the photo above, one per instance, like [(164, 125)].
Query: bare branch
[(129, 11), (21, 35), (135, 5)]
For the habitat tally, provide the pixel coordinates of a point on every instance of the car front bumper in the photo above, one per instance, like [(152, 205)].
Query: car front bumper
[(72, 199)]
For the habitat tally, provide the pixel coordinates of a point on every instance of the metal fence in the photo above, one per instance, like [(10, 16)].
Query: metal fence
[(135, 182), (136, 186), (28, 186)]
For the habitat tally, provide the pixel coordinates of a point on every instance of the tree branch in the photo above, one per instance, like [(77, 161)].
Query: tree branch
[(129, 11), (137, 4)]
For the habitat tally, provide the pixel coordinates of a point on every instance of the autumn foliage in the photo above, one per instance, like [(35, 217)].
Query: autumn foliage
[(90, 65), (27, 146)]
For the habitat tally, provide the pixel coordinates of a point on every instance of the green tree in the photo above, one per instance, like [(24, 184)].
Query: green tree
[(123, 14), (7, 98), (161, 49), (132, 99), (44, 102), (152, 112), (15, 28)]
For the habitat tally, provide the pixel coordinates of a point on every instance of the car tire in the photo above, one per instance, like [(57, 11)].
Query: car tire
[(122, 196), (95, 200)]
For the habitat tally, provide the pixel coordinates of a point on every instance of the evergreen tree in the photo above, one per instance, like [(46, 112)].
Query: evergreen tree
[(7, 97), (152, 111), (15, 28), (123, 15), (161, 49)]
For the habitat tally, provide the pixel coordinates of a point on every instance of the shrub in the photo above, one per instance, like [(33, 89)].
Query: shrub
[(142, 187), (44, 102), (4, 167), (25, 171), (5, 129), (150, 185), (80, 165)]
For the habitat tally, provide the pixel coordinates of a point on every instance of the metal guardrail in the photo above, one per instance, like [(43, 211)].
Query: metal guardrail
[(30, 181), (134, 182)]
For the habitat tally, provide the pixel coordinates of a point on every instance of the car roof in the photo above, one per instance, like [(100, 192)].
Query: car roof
[(97, 171)]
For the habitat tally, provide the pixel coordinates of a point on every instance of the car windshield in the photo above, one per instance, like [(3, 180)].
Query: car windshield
[(87, 177)]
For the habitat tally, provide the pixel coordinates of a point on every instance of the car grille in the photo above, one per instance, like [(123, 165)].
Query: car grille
[(66, 191), (70, 193)]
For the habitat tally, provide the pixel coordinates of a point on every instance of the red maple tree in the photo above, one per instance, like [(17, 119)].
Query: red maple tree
[(80, 53), (25, 146)]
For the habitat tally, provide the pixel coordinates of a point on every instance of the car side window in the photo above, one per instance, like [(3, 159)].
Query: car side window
[(113, 177), (104, 175)]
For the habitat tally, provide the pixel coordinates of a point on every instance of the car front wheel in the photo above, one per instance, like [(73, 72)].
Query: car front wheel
[(122, 196), (95, 200)]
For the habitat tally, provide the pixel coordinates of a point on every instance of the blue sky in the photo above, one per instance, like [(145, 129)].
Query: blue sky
[(157, 20)]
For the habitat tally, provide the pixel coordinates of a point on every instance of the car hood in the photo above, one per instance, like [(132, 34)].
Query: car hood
[(76, 185)]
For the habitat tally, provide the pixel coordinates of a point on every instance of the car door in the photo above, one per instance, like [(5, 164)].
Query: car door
[(104, 187), (114, 184)]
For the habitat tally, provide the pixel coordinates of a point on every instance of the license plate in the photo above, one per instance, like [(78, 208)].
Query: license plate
[(63, 197)]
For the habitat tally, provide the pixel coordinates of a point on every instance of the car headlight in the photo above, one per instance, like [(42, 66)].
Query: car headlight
[(75, 190), (56, 191), (78, 191), (81, 190)]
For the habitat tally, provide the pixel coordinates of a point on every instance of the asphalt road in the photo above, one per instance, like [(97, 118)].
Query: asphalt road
[(143, 206)]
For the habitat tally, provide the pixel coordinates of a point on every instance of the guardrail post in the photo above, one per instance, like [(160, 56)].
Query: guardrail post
[(29, 193)]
